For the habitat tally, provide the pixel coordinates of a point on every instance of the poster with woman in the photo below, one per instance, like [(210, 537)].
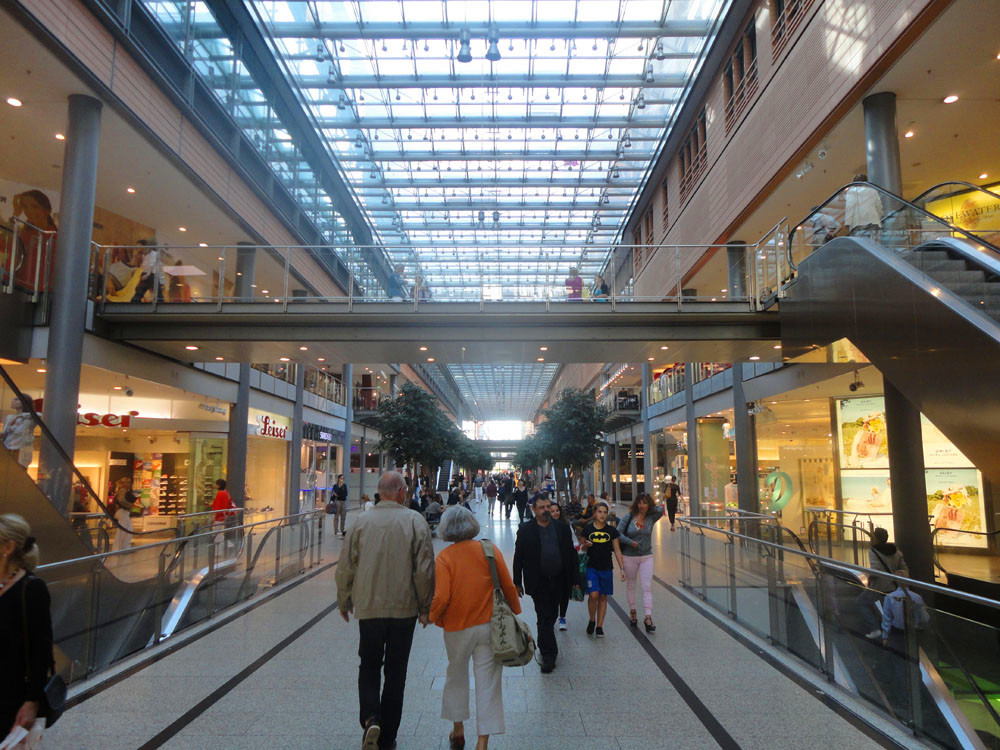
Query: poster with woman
[(863, 436), (955, 504)]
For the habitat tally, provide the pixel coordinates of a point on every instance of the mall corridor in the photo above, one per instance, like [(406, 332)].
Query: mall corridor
[(284, 675)]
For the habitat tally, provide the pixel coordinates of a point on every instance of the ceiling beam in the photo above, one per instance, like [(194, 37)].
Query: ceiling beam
[(503, 80), (488, 182), (487, 205), (461, 122), (430, 30), (451, 155)]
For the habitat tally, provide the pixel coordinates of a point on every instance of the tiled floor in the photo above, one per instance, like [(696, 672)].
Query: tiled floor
[(605, 694)]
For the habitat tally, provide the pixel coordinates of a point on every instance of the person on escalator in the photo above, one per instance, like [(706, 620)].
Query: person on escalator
[(18, 434), (863, 208), (883, 556)]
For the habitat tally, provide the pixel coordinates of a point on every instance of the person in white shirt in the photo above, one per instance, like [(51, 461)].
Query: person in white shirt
[(863, 208), (18, 434)]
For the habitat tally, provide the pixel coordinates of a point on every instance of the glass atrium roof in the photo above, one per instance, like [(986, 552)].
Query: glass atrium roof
[(497, 392), (492, 143)]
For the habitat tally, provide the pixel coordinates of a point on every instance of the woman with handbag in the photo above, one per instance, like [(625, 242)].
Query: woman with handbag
[(636, 530), (25, 629), (463, 606)]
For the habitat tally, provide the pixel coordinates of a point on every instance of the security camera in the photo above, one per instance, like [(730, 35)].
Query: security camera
[(822, 153), (857, 384), (129, 392), (853, 387)]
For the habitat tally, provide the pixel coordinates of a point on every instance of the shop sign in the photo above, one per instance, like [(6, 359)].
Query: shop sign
[(92, 419), (213, 408), (267, 427), (320, 433)]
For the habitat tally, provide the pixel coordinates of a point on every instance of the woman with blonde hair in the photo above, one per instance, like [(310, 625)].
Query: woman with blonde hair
[(24, 611), (463, 606)]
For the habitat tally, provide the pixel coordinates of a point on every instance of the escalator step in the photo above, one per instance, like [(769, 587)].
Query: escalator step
[(947, 278), (981, 291), (927, 256), (933, 266)]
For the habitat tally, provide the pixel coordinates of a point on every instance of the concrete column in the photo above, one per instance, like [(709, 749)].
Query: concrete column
[(882, 142), (694, 489), (617, 495), (647, 443), (736, 265), (606, 485), (345, 458), (746, 446), (236, 446), (295, 464), (363, 456), (394, 385), (633, 463), (69, 294), (909, 486), (246, 261)]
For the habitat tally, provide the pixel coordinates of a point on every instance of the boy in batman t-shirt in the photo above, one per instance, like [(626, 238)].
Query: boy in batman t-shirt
[(599, 540)]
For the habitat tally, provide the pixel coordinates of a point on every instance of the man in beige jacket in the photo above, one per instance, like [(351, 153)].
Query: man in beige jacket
[(386, 577)]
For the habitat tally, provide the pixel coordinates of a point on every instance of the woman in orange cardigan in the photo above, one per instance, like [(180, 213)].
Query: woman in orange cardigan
[(463, 605)]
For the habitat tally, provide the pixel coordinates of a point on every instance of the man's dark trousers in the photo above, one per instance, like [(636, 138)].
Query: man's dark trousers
[(546, 598), (384, 640)]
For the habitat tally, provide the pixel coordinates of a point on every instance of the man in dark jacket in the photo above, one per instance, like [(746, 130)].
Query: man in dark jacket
[(545, 563)]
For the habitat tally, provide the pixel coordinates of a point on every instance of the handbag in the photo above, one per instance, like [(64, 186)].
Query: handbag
[(331, 507), (54, 692), (580, 585), (513, 645)]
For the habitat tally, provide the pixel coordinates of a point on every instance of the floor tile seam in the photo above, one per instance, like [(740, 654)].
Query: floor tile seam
[(77, 698), (826, 697)]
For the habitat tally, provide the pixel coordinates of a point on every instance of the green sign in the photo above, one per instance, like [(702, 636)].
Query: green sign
[(781, 489)]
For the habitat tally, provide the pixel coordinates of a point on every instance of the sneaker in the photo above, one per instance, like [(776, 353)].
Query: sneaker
[(600, 632), (372, 733), (590, 627), (874, 635), (562, 623)]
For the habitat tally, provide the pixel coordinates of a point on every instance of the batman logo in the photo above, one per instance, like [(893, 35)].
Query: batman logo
[(600, 536)]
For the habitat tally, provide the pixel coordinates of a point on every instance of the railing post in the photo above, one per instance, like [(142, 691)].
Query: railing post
[(39, 259), (211, 578), (160, 604), (704, 568), (284, 299), (829, 538), (350, 288), (614, 280), (774, 608), (824, 609), (731, 558), (277, 555), (222, 280), (677, 275), (95, 595), (912, 656)]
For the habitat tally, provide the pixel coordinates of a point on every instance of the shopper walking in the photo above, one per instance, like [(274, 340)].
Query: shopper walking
[(555, 512), (672, 491), (599, 540), (396, 288), (574, 285), (636, 530), (124, 503), (477, 483), (385, 576), (24, 614), (463, 606), (863, 208), (18, 434), (340, 506), (521, 501), (491, 496), (544, 565)]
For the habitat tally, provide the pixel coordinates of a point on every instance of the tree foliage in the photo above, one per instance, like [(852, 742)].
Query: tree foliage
[(570, 436), (413, 428), (532, 453)]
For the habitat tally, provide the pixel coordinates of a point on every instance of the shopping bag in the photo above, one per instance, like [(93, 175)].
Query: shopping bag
[(578, 592)]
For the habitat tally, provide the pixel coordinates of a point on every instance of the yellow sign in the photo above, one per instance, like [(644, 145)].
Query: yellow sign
[(973, 211)]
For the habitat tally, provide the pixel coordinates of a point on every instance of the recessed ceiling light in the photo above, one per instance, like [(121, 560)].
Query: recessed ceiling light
[(650, 358), (430, 359), (541, 359), (264, 291), (41, 369), (118, 388), (191, 348), (303, 348), (423, 348), (130, 190), (14, 102), (181, 229), (283, 359), (321, 359), (777, 346), (664, 348), (950, 99), (543, 348), (60, 137), (724, 291), (219, 359), (908, 134), (253, 286), (983, 176), (754, 358)]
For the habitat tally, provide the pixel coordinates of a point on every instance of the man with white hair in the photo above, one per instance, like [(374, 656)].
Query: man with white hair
[(386, 577)]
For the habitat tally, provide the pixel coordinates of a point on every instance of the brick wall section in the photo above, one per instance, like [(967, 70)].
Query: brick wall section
[(832, 51), (85, 38)]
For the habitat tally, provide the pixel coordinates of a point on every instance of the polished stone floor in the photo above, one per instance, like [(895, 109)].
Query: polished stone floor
[(284, 676)]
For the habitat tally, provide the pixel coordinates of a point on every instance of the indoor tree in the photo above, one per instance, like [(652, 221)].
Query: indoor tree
[(571, 432)]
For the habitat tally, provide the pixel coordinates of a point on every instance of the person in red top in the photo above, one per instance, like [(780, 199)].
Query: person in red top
[(222, 502), (463, 606)]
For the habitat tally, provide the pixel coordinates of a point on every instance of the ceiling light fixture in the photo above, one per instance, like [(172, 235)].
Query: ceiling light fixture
[(430, 359), (543, 348), (41, 369), (118, 387), (284, 359), (754, 358), (541, 359), (14, 101), (640, 102), (650, 358), (465, 48), (60, 137), (181, 229), (303, 348), (191, 348), (908, 134), (321, 359), (664, 348), (950, 99), (493, 52), (983, 176), (777, 346)]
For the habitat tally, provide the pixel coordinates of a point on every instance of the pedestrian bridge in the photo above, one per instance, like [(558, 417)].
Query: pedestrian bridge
[(473, 332)]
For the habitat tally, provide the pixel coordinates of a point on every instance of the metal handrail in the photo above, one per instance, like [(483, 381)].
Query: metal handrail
[(828, 562), (966, 185), (184, 540), (935, 545), (69, 461), (882, 192)]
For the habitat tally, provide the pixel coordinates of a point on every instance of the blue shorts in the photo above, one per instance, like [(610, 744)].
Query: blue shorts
[(601, 581)]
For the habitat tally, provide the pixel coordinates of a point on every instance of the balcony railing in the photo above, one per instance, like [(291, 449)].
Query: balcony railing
[(741, 96), (369, 398), (622, 400), (670, 383)]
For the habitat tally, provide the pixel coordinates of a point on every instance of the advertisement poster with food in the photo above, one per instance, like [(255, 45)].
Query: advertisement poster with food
[(862, 432), (955, 504)]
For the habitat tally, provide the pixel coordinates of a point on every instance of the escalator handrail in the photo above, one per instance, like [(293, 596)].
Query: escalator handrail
[(934, 544), (69, 461), (882, 192), (913, 583), (967, 186)]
